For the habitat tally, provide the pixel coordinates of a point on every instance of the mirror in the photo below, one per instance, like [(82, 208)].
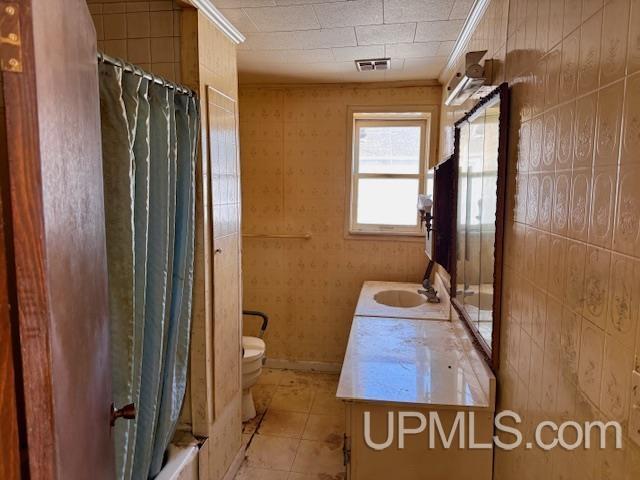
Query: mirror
[(480, 182)]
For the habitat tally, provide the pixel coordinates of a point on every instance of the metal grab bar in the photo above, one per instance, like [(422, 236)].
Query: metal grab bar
[(265, 320), (302, 236)]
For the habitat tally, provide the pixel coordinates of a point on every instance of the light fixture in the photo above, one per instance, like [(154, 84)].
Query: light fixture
[(464, 85)]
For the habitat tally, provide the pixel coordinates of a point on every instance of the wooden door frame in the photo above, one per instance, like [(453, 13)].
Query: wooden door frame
[(23, 145), (11, 422)]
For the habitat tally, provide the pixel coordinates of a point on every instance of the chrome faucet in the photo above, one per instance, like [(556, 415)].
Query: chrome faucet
[(429, 292)]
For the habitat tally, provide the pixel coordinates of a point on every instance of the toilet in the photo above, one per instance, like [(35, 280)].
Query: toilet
[(253, 354)]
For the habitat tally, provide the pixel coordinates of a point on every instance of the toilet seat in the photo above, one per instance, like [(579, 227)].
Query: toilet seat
[(253, 347)]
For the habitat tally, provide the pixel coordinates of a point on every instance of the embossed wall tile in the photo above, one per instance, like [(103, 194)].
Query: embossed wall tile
[(618, 362), (524, 356), (609, 118), (557, 267), (589, 7), (580, 204), (596, 285), (520, 198), (572, 16), (633, 58), (591, 360), (539, 317), (533, 192), (626, 230), (561, 197), (545, 201), (535, 149), (564, 141), (570, 60), (549, 140), (541, 272), (538, 86), (552, 78), (615, 24), (624, 299), (542, 27), (589, 65), (602, 206), (570, 340), (574, 278), (584, 131), (631, 134), (556, 20), (524, 140)]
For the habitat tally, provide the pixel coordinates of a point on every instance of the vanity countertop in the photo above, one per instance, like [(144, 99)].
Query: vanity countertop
[(367, 306), (408, 361)]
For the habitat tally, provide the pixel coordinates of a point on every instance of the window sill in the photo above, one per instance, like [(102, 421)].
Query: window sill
[(386, 236)]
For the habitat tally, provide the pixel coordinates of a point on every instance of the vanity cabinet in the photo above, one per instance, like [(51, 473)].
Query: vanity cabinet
[(416, 461), (415, 366)]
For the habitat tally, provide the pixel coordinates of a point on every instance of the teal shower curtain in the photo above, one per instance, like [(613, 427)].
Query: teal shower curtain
[(149, 139)]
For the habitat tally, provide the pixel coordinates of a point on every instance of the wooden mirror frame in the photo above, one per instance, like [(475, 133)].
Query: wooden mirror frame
[(491, 352)]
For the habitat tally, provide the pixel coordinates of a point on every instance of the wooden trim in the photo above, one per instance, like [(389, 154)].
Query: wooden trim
[(23, 145), (218, 19), (491, 352), (10, 384)]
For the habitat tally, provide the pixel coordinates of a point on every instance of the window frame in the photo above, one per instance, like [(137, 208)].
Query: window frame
[(419, 116)]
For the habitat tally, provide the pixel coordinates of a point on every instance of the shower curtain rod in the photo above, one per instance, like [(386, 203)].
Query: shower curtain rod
[(104, 58)]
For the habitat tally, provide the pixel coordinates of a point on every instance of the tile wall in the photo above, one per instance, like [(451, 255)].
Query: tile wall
[(294, 160), (570, 334), (145, 33)]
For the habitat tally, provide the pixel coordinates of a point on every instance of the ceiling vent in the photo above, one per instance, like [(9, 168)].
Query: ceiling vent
[(373, 64)]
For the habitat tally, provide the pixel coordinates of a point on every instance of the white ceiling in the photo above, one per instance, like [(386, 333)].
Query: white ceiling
[(318, 40)]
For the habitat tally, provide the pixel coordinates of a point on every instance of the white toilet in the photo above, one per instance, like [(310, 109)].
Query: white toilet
[(254, 349)]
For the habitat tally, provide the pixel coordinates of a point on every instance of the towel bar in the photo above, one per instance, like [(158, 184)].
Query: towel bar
[(303, 236)]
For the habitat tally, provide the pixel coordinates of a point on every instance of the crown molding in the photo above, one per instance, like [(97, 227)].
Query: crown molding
[(459, 49), (219, 20)]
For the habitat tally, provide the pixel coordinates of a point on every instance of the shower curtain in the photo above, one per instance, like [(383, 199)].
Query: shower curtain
[(149, 143)]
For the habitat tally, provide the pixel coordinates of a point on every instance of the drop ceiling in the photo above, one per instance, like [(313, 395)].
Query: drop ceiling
[(311, 41)]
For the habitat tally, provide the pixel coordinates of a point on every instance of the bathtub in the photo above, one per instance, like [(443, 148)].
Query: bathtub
[(182, 463)]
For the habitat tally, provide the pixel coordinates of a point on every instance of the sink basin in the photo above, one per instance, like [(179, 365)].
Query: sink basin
[(399, 298)]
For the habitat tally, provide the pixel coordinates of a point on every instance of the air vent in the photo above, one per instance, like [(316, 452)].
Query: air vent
[(373, 64)]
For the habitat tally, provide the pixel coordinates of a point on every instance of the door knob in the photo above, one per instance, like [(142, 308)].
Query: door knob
[(128, 412)]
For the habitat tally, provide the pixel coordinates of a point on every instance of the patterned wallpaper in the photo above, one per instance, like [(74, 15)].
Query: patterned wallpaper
[(570, 335), (294, 160)]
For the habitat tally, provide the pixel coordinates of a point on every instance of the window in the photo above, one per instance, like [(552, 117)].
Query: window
[(388, 172)]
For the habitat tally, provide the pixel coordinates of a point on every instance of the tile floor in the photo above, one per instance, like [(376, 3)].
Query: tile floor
[(298, 432)]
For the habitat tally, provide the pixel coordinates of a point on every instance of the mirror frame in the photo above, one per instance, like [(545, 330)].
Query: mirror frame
[(491, 352)]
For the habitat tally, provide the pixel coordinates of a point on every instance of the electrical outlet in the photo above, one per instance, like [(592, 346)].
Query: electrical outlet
[(634, 424), (635, 389)]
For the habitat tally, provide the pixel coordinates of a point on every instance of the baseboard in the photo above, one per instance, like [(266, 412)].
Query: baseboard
[(236, 464), (303, 365)]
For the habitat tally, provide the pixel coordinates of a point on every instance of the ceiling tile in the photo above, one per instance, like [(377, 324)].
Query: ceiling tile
[(412, 50), (440, 31), (461, 10), (243, 3), (283, 19), (285, 56), (349, 54), (398, 11), (381, 34), (324, 38), (445, 48), (355, 12), (239, 19)]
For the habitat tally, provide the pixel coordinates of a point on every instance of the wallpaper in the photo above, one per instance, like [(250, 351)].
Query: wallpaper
[(294, 163)]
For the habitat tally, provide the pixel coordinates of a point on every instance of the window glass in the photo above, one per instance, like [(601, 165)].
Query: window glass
[(388, 201), (389, 149)]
